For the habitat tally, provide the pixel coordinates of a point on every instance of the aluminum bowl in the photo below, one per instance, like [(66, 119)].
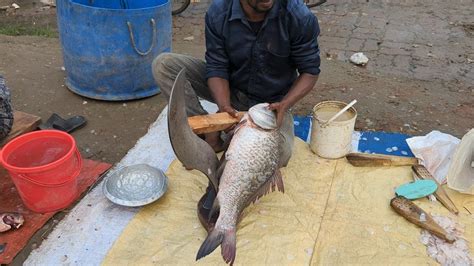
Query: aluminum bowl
[(135, 185)]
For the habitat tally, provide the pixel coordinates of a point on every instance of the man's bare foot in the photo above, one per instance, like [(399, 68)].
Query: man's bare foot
[(214, 139)]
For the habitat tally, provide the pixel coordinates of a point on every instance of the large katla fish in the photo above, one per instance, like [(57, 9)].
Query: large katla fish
[(251, 169), (253, 160)]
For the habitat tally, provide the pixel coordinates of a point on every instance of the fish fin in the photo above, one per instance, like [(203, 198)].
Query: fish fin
[(215, 208), (269, 186), (213, 240), (220, 169), (228, 246), (277, 179)]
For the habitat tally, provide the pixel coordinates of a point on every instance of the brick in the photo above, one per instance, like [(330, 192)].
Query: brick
[(383, 60), (362, 30), (347, 20), (364, 22), (370, 45), (402, 62), (399, 36), (355, 44), (380, 13), (337, 54), (343, 33), (365, 36), (333, 42), (393, 51), (378, 23), (421, 51), (395, 48), (397, 45)]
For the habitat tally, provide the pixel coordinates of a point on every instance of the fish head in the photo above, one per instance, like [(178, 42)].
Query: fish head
[(263, 117), (15, 220)]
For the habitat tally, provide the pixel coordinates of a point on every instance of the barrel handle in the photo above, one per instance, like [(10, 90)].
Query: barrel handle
[(153, 41)]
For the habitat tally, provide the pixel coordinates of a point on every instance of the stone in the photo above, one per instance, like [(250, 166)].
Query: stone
[(359, 59)]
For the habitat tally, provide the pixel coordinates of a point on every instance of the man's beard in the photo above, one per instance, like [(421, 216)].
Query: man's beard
[(255, 7)]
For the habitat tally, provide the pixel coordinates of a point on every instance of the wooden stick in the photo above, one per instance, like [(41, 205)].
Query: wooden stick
[(440, 193), (365, 159), (339, 113), (213, 122)]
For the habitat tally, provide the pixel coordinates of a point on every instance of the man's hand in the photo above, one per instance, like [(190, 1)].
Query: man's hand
[(232, 112), (220, 91), (280, 108), (228, 109)]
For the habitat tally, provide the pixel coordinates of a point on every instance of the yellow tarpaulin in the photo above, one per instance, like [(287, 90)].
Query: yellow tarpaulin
[(331, 213)]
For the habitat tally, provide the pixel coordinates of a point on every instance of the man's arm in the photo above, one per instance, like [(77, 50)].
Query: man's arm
[(221, 93), (217, 67), (305, 55), (301, 87)]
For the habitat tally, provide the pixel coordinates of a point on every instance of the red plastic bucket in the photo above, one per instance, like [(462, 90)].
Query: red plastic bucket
[(44, 165)]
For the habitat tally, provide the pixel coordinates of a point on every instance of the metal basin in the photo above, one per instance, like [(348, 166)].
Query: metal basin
[(135, 185)]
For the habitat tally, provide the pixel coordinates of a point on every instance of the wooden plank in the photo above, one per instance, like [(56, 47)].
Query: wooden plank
[(213, 122), (365, 159), (22, 123), (440, 193)]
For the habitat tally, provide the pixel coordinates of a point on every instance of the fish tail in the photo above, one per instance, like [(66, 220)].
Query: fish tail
[(213, 240), (225, 238), (228, 246)]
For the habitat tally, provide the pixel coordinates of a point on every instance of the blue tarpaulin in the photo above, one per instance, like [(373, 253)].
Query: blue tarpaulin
[(367, 141)]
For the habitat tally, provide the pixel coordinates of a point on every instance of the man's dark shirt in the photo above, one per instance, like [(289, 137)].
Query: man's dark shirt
[(261, 65), (256, 26)]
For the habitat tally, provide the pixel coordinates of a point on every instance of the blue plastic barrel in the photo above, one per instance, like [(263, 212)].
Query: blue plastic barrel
[(109, 45)]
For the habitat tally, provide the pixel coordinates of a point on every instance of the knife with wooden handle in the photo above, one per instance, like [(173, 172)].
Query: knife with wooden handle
[(366, 159), (414, 214)]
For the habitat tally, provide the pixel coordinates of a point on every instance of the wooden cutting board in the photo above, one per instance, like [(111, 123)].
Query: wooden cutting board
[(22, 123), (201, 124)]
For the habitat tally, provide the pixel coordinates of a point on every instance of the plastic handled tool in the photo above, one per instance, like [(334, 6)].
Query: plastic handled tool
[(440, 194), (339, 113)]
